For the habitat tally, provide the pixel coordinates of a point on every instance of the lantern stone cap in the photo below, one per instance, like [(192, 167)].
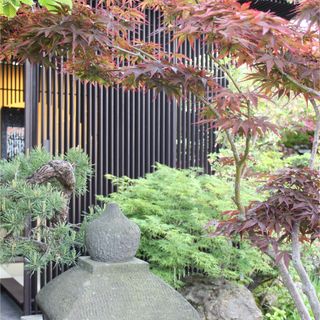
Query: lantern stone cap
[(112, 237)]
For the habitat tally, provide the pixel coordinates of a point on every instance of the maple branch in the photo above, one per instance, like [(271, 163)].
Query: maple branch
[(233, 146), (239, 161), (291, 286), (147, 54), (315, 143), (240, 165), (300, 85), (237, 191), (141, 54), (307, 287), (228, 134), (248, 139), (226, 71), (254, 139), (129, 52)]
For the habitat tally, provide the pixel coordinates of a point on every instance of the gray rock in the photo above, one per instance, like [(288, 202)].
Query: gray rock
[(112, 237), (112, 291), (220, 299)]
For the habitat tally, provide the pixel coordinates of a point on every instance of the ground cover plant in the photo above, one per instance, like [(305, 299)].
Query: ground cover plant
[(35, 191), (282, 59)]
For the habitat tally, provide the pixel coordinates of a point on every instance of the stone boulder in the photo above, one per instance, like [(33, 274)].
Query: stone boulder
[(220, 299)]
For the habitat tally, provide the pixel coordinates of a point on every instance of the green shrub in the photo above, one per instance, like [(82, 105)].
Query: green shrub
[(280, 305), (283, 307), (172, 208), (298, 160), (268, 161), (261, 161), (276, 314), (290, 139), (271, 161)]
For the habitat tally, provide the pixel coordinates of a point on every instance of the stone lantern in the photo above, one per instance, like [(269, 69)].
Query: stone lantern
[(112, 284)]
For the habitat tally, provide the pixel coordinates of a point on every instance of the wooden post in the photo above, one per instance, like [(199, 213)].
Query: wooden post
[(31, 87), (31, 104)]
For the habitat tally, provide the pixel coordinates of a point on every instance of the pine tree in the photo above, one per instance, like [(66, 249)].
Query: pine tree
[(35, 191)]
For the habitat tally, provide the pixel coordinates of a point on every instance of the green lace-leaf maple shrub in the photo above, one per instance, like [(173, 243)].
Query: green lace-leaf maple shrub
[(172, 208), (9, 8)]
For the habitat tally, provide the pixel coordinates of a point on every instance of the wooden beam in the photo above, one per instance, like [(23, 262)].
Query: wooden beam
[(14, 289)]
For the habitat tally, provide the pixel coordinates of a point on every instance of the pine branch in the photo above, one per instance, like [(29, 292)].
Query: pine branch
[(64, 173)]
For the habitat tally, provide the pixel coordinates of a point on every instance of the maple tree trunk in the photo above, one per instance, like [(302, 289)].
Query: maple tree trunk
[(315, 143), (292, 288), (307, 286), (237, 189), (63, 172)]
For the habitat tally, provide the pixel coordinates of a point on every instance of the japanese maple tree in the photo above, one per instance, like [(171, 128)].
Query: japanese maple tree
[(288, 216)]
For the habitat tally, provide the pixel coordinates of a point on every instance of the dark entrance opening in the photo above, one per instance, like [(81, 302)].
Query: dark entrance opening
[(12, 132)]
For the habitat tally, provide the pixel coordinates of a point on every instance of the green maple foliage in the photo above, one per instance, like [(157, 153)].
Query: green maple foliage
[(9, 8), (172, 208)]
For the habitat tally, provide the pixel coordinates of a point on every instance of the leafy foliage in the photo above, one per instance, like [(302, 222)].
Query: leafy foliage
[(172, 207), (80, 161), (262, 161), (309, 10), (293, 139), (9, 8), (280, 306), (276, 51), (294, 198), (23, 204)]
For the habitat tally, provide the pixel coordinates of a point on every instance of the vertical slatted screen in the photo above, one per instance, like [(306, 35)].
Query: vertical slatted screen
[(123, 132)]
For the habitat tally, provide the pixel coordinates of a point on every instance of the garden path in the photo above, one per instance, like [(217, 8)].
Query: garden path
[(9, 310)]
